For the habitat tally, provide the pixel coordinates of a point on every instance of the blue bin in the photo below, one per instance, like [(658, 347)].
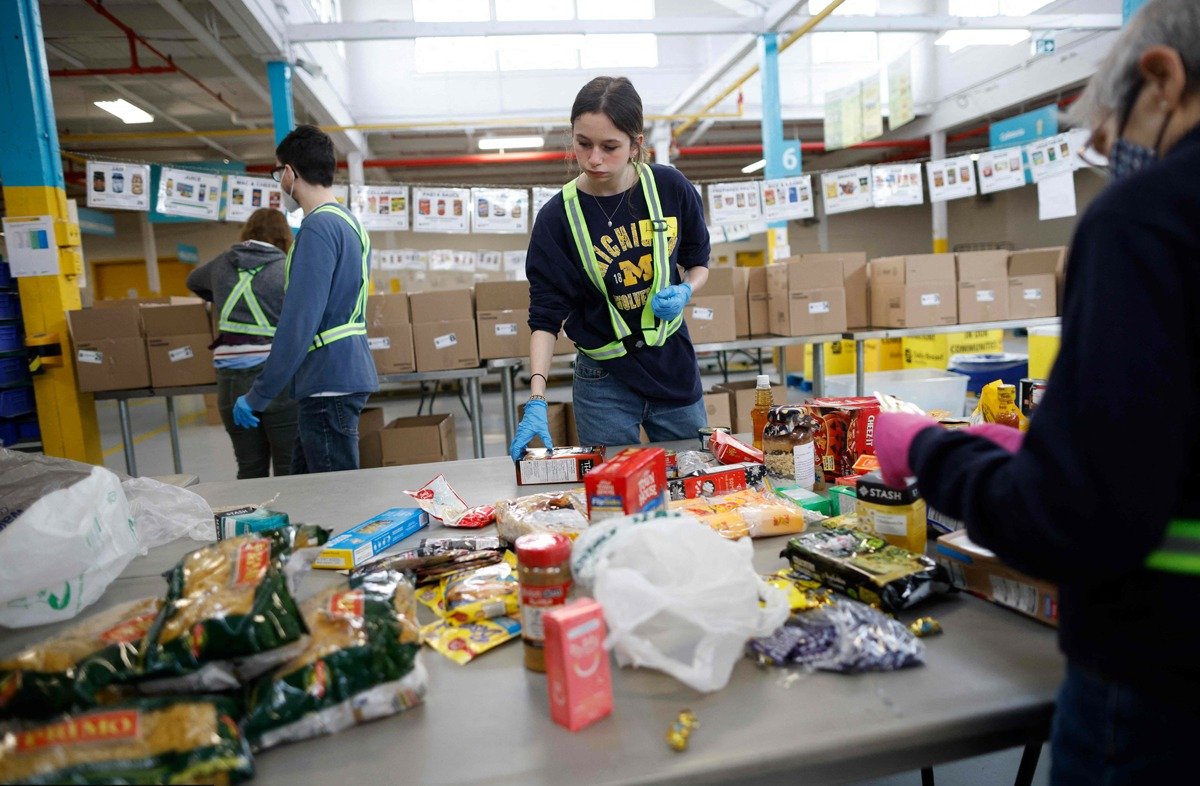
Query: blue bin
[(14, 370), (10, 305), (6, 279), (28, 430), (986, 367), (10, 337), (15, 402)]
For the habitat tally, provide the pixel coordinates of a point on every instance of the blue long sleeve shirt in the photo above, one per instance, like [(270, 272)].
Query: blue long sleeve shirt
[(326, 276)]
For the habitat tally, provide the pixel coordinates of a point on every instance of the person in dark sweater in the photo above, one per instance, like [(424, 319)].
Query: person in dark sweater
[(604, 258), (245, 286), (320, 346), (1103, 494)]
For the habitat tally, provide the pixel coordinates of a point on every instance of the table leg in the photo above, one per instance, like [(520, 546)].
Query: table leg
[(818, 364), (927, 776), (173, 427), (860, 365), (476, 416), (760, 360), (508, 401), (127, 437), (781, 365), (1029, 763)]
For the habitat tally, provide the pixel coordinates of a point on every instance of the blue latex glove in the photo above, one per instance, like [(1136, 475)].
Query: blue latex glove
[(242, 414), (533, 424), (669, 302)]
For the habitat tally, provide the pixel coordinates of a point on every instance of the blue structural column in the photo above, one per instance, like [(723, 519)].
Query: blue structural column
[(279, 74), (1130, 7), (783, 158)]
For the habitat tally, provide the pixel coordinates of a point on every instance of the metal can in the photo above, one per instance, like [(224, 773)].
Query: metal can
[(705, 433), (1029, 394)]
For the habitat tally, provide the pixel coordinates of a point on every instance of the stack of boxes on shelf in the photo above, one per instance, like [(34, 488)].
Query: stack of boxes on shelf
[(444, 330), (18, 410), (712, 315), (390, 334)]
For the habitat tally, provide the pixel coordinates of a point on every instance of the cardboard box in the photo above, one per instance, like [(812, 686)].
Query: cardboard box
[(741, 301), (110, 352), (914, 291), (578, 675), (717, 408), (561, 465), (563, 346), (978, 571), (854, 281), (371, 538), (806, 297), (177, 339), (441, 346), (389, 309), (1032, 282), (759, 296), (710, 318), (572, 431), (212, 413), (556, 419), (982, 286), (370, 423), (741, 401), (633, 481), (392, 348), (446, 306), (721, 281), (502, 319), (717, 481), (425, 439)]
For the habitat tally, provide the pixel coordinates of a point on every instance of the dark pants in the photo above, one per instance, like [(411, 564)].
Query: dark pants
[(327, 440), (257, 449), (1108, 734)]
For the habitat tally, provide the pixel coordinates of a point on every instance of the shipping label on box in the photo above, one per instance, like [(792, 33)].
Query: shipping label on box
[(634, 481), (710, 319), (371, 538)]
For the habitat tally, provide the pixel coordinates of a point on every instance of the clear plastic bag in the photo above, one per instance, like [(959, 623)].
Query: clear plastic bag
[(164, 513)]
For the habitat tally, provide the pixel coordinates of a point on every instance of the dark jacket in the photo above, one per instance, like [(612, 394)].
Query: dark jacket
[(214, 281)]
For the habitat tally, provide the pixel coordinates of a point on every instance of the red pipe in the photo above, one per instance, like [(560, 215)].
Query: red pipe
[(128, 71)]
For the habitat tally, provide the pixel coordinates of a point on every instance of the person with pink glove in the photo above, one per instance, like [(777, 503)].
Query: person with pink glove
[(1069, 503)]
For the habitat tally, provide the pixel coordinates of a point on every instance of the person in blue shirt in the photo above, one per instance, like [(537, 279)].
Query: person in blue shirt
[(320, 344), (604, 263)]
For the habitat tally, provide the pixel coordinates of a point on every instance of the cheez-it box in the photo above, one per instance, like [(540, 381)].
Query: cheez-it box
[(578, 675), (634, 481)]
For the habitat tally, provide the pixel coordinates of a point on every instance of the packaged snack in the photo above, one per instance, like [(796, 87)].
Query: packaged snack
[(439, 500), (845, 431), (473, 518), (374, 536), (680, 731), (246, 522), (730, 450), (803, 591), (463, 643), (557, 465), (715, 481), (633, 481), (431, 546), (578, 675), (426, 569), (482, 593), (690, 462), (80, 666), (361, 662), (748, 513), (864, 566), (184, 739), (809, 500), (896, 515), (564, 512), (925, 626), (789, 446)]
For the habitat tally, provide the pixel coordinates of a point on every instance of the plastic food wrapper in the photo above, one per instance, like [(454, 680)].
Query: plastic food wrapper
[(429, 568), (473, 518), (361, 662), (184, 739), (482, 593), (998, 404), (864, 566), (439, 500), (76, 512), (433, 546), (164, 513), (464, 643), (843, 636), (804, 592), (925, 626), (748, 513), (228, 611), (730, 450), (561, 512), (690, 462), (80, 667)]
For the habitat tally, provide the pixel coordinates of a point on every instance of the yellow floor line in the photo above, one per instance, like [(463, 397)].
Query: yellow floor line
[(182, 420)]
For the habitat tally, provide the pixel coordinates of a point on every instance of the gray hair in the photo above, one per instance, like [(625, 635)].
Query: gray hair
[(1173, 23)]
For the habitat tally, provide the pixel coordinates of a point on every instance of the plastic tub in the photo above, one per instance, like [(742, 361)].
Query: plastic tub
[(1043, 349), (28, 430), (10, 305), (6, 279), (986, 367), (16, 401), (928, 388), (14, 370), (10, 338)]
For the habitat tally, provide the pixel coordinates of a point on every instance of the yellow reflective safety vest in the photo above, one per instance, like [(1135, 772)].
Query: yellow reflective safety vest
[(243, 290), (357, 324), (1180, 549), (654, 331)]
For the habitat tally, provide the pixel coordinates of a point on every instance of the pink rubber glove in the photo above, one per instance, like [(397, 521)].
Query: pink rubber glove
[(1006, 437), (894, 435)]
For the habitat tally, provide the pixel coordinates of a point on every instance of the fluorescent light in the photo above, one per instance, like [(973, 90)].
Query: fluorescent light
[(750, 169), (126, 111), (961, 39), (511, 142)]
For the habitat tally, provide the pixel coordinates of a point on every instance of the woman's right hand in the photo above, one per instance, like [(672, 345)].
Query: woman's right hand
[(533, 424)]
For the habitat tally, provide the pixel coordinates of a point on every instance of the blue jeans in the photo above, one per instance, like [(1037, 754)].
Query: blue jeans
[(1109, 734), (327, 437), (608, 412)]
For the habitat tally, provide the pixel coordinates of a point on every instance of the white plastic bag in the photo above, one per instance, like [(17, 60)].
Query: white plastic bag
[(680, 598), (65, 534), (164, 513)]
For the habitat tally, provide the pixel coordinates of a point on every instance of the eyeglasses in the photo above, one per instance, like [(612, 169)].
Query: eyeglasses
[(277, 173)]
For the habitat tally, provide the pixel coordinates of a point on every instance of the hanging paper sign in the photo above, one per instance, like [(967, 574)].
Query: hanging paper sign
[(1000, 170), (872, 108), (489, 262), (951, 178), (31, 245), (1049, 157), (118, 186), (341, 193), (787, 198), (441, 259), (191, 194), (244, 195), (898, 184), (514, 265), (846, 190), (410, 259), (852, 115), (716, 235), (499, 210), (1056, 197), (900, 92), (381, 207), (736, 232), (833, 120), (442, 210), (542, 195), (734, 203)]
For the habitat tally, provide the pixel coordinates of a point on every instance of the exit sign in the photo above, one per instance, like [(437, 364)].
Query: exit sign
[(1044, 45)]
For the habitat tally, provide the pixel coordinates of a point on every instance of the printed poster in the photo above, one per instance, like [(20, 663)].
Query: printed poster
[(541, 195), (490, 262), (951, 178), (118, 186), (736, 232), (1000, 170), (244, 195), (514, 265), (898, 184), (716, 234), (31, 245), (833, 121), (381, 207), (787, 198), (846, 190), (734, 203), (191, 194), (500, 210), (852, 115), (900, 92), (1049, 157), (872, 108), (1056, 196), (441, 210)]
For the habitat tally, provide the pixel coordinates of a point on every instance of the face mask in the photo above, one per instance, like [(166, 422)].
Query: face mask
[(1128, 158), (289, 201)]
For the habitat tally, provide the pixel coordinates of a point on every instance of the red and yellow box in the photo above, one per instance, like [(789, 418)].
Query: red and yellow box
[(634, 481)]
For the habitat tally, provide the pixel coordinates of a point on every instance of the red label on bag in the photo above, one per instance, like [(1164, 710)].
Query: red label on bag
[(97, 727), (252, 561)]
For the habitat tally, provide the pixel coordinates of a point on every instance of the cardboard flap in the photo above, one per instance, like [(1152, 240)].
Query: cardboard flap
[(91, 324), (757, 280), (1036, 261), (720, 281), (183, 320), (978, 265), (390, 309), (441, 306), (501, 295), (929, 267)]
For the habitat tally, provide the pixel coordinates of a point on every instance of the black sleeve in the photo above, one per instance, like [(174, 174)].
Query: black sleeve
[(548, 266), (1067, 507)]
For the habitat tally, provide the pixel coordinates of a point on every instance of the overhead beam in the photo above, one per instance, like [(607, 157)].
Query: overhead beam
[(390, 30), (214, 45)]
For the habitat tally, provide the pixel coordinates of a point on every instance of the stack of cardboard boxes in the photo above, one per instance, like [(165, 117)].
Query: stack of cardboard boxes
[(807, 296), (444, 330), (390, 334), (712, 315), (914, 291)]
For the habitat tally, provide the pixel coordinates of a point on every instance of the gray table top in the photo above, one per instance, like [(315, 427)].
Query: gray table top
[(864, 334), (988, 681)]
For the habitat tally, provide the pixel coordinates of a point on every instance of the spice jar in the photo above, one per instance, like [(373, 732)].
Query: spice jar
[(544, 573), (788, 445)]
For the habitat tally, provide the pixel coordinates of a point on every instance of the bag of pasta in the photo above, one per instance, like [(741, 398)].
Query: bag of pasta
[(80, 667), (228, 617), (185, 739), (361, 662)]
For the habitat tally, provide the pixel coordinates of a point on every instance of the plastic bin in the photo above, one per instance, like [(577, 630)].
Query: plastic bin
[(14, 370), (985, 367), (15, 402), (10, 305), (6, 279), (28, 430), (1043, 349), (10, 338), (928, 388)]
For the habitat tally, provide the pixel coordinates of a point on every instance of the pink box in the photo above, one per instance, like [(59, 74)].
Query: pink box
[(578, 677)]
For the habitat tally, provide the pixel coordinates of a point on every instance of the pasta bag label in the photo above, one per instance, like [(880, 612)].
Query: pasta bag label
[(96, 727), (348, 605), (253, 558), (129, 630)]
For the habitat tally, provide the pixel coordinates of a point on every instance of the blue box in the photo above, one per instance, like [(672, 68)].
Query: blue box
[(10, 337), (371, 538), (17, 401), (10, 305), (14, 370)]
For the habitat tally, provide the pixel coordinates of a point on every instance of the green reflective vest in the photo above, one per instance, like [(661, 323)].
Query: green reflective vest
[(357, 324), (655, 332), (1180, 549), (243, 290)]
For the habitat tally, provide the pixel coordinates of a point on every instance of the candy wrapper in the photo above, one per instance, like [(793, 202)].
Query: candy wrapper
[(439, 500), (473, 518), (463, 643), (748, 512), (430, 568), (730, 450), (433, 546), (482, 594), (804, 592)]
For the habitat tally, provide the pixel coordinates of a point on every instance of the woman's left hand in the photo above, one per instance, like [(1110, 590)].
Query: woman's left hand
[(669, 302)]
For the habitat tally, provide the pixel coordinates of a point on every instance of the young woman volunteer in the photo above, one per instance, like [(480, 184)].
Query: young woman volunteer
[(604, 262)]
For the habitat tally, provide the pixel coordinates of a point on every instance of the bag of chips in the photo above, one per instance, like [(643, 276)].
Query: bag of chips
[(184, 739), (360, 663)]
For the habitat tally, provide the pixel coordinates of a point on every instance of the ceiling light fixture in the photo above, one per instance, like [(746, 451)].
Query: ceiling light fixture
[(126, 111), (750, 169), (961, 39), (511, 142)]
